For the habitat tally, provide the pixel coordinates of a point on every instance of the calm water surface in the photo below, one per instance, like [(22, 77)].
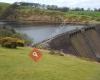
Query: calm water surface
[(40, 33)]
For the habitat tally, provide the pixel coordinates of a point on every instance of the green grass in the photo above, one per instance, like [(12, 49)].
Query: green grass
[(85, 13), (15, 64), (83, 16)]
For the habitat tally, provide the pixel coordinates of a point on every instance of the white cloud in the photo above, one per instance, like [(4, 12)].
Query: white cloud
[(68, 3)]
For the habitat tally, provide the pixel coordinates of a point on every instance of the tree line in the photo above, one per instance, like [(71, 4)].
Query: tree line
[(54, 7)]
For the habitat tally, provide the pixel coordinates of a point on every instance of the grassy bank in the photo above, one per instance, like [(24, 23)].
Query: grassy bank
[(83, 16), (16, 65)]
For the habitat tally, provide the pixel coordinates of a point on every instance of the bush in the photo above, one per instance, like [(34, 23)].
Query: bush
[(9, 45), (10, 42), (7, 31), (20, 43)]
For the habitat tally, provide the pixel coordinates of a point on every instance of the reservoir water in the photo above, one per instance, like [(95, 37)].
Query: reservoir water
[(39, 33)]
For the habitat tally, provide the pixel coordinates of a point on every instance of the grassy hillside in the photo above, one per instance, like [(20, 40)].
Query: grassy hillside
[(85, 13), (3, 6), (28, 14), (83, 16), (15, 64)]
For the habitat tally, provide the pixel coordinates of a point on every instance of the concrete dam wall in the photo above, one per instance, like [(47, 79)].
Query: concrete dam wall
[(84, 42)]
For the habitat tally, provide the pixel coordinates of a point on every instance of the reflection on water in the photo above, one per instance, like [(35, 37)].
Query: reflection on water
[(40, 33), (37, 33)]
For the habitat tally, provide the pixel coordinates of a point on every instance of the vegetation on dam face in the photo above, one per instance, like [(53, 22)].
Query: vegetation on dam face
[(26, 12)]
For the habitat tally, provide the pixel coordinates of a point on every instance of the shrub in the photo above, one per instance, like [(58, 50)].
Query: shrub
[(10, 42), (9, 45), (20, 43)]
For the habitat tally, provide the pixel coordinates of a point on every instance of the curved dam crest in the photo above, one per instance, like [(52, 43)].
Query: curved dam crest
[(77, 40), (81, 42)]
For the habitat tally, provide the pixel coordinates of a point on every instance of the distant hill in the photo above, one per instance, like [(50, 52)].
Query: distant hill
[(37, 13), (3, 6), (24, 13)]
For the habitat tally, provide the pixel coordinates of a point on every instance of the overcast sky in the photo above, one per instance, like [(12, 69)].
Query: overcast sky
[(68, 3)]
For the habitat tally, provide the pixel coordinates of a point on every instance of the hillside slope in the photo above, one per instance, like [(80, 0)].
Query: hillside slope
[(15, 64), (28, 14), (3, 7)]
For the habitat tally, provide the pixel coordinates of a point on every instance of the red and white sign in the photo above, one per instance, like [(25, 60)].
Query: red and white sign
[(35, 54)]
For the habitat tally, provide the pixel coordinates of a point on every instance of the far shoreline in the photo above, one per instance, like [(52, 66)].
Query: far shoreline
[(39, 23)]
